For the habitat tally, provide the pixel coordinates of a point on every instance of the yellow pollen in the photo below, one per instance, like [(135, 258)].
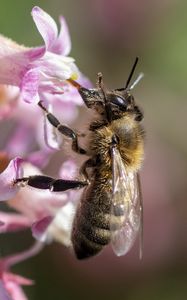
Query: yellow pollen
[(74, 76)]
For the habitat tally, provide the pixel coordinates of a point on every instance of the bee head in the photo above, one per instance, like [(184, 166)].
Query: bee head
[(111, 103), (122, 102)]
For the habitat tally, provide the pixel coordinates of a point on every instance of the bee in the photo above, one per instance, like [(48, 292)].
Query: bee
[(110, 209)]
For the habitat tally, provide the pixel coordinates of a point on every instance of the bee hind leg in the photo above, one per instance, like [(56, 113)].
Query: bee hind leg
[(63, 129), (49, 183)]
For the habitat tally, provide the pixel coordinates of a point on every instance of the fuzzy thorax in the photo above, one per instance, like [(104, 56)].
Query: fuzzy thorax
[(131, 141)]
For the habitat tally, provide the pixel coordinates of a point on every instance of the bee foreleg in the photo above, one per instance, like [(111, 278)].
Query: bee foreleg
[(107, 104), (49, 183), (63, 129), (90, 163)]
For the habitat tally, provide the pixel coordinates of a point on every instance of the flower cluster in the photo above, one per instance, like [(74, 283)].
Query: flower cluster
[(28, 75)]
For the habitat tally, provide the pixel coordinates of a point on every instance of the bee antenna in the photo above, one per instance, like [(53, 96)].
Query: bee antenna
[(131, 73), (140, 76)]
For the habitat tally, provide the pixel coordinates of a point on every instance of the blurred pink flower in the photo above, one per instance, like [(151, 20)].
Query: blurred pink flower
[(38, 73), (11, 222), (40, 69), (7, 177), (10, 284), (48, 214)]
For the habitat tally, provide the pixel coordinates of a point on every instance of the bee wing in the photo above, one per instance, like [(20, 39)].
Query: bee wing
[(126, 208)]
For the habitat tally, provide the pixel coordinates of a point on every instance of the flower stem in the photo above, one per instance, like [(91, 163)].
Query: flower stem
[(9, 261)]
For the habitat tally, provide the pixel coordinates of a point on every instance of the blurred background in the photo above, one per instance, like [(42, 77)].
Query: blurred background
[(107, 36)]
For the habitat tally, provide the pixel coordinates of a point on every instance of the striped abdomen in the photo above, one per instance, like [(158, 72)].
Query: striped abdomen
[(91, 227), (92, 221)]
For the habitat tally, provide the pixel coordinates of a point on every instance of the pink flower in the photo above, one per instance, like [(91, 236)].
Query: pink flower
[(10, 284), (11, 222), (7, 177), (48, 214), (38, 73), (41, 69)]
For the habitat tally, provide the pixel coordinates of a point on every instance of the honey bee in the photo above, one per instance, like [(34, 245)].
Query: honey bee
[(110, 209)]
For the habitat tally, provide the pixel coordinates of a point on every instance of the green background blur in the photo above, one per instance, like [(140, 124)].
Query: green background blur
[(106, 36)]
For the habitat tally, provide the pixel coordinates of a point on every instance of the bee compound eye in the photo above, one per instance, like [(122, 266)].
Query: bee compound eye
[(118, 101)]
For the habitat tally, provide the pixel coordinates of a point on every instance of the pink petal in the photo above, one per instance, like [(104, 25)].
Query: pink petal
[(36, 204), (40, 158), (65, 110), (10, 277), (10, 286), (15, 291), (45, 25), (85, 81), (13, 222), (4, 295), (62, 45), (26, 115), (50, 134), (35, 53), (13, 61), (29, 86), (20, 141), (68, 170), (7, 177), (39, 228)]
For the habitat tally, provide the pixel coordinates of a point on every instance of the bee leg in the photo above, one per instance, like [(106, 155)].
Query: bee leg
[(49, 183), (63, 129), (90, 163), (107, 105), (99, 81)]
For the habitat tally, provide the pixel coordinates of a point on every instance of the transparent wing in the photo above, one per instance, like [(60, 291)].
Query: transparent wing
[(126, 208)]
